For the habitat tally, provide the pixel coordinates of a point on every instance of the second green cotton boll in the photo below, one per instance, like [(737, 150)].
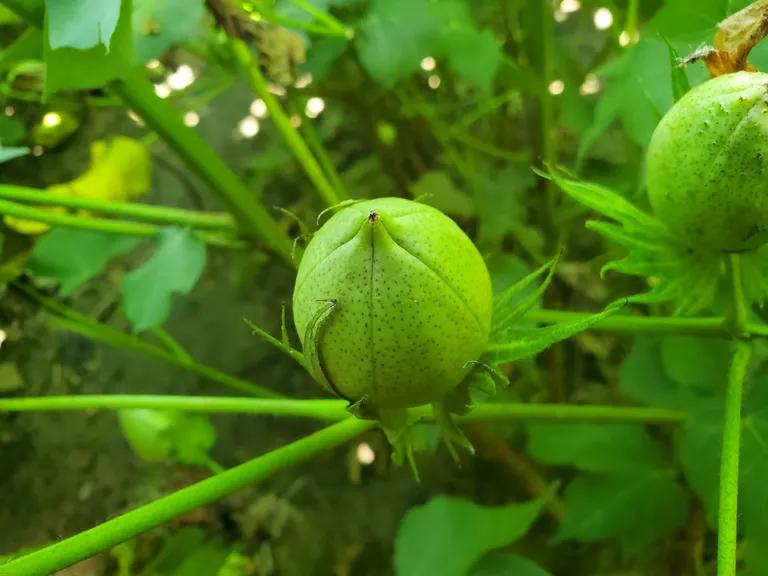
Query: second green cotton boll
[(707, 166), (392, 300)]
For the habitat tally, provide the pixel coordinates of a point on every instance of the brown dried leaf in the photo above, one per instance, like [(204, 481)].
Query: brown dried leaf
[(736, 36)]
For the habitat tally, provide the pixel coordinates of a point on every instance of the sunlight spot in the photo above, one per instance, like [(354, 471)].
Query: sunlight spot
[(248, 127), (365, 454), (162, 90), (259, 108), (135, 117), (603, 18), (191, 119), (569, 6), (315, 106), (303, 81), (51, 119), (556, 87), (181, 78), (591, 85)]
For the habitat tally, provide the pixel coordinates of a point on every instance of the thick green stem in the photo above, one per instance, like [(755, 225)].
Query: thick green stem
[(283, 124), (337, 409), (727, 515), (112, 532), (133, 210)]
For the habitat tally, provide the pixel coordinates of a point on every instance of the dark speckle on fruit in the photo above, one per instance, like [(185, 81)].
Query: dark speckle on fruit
[(707, 188)]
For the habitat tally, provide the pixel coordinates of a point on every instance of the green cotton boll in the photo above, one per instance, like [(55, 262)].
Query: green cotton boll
[(392, 300), (707, 167)]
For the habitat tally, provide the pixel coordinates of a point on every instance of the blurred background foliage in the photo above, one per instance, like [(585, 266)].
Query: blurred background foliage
[(447, 101)]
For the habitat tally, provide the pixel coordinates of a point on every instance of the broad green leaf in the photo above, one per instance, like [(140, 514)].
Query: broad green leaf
[(696, 362), (393, 38), (593, 447), (502, 210), (447, 535), (635, 506), (158, 435), (497, 564), (81, 24), (160, 24), (75, 256), (438, 190), (473, 55), (396, 34), (643, 378), (175, 267), (189, 552), (85, 62)]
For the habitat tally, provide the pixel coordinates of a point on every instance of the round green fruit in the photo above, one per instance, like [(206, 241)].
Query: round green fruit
[(392, 301), (708, 162)]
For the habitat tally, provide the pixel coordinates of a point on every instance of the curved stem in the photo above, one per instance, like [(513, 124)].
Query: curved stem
[(727, 514), (71, 320), (337, 409), (138, 211), (112, 532)]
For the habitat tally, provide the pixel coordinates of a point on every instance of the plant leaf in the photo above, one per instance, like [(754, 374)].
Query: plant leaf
[(175, 267), (75, 256), (448, 535)]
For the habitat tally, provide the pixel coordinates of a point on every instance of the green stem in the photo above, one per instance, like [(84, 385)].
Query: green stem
[(72, 321), (727, 515), (171, 344), (109, 226), (337, 409), (740, 309), (698, 326), (137, 211), (112, 532), (283, 123), (631, 26), (320, 30), (316, 147)]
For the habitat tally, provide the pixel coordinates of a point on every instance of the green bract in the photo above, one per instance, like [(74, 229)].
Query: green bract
[(392, 301), (708, 161)]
